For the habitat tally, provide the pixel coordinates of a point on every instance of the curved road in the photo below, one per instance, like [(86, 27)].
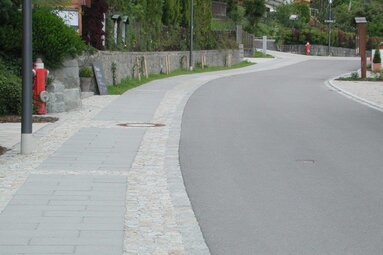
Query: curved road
[(275, 162)]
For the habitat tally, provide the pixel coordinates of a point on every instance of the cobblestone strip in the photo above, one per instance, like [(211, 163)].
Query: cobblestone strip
[(15, 168), (155, 222)]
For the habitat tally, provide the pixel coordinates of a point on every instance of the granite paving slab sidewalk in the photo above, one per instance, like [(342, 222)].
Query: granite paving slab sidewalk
[(95, 187)]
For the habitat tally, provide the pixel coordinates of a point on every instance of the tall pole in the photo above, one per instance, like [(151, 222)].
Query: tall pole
[(329, 29), (361, 24), (191, 34), (26, 124)]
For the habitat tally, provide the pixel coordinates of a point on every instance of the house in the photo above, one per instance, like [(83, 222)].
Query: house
[(72, 14)]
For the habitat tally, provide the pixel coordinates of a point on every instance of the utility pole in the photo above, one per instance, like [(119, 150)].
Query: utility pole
[(26, 124), (329, 21), (191, 34)]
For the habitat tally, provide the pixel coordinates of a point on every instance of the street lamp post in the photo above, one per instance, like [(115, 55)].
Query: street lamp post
[(191, 34), (26, 124), (330, 20)]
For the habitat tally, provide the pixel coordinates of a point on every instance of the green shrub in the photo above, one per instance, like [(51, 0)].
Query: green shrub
[(354, 76), (377, 58), (86, 71), (10, 92), (52, 39)]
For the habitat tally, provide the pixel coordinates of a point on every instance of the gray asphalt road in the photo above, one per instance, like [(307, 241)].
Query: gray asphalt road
[(275, 162)]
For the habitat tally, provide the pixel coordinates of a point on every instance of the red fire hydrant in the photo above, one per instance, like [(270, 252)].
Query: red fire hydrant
[(308, 47), (40, 96)]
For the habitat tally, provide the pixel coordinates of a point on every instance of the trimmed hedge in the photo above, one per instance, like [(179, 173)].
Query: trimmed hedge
[(10, 92)]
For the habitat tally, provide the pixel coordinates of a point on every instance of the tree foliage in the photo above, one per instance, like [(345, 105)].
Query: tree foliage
[(254, 10)]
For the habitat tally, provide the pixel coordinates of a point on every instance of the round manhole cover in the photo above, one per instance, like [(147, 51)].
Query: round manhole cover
[(141, 125)]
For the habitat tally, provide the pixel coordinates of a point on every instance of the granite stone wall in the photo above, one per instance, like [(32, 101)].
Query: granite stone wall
[(316, 50), (156, 62), (64, 91)]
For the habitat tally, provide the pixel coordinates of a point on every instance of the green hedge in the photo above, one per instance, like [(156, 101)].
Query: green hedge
[(10, 92), (316, 36)]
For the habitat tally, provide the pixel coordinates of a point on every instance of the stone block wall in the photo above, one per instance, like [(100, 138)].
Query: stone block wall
[(316, 50), (155, 61), (64, 92)]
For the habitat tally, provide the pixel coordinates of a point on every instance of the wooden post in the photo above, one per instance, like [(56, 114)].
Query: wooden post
[(145, 67), (168, 64), (361, 23)]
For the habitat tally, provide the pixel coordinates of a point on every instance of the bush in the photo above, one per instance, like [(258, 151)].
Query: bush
[(10, 92), (52, 39), (377, 58)]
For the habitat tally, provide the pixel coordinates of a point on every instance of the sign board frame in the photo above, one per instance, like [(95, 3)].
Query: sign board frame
[(100, 78)]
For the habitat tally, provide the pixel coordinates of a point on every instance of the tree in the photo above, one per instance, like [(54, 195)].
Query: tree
[(171, 12), (202, 21), (152, 22), (255, 9), (7, 10)]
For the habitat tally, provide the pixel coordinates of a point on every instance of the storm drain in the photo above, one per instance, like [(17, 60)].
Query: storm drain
[(140, 125)]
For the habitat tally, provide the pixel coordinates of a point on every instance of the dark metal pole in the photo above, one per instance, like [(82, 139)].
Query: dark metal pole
[(329, 29), (26, 125), (191, 34)]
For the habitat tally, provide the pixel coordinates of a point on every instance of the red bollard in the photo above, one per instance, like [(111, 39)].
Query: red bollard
[(308, 47), (40, 96)]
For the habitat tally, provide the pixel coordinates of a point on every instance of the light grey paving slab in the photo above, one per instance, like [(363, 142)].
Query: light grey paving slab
[(65, 211), (93, 149), (109, 226), (101, 234), (100, 241), (89, 202), (11, 233), (37, 249), (99, 250), (13, 240)]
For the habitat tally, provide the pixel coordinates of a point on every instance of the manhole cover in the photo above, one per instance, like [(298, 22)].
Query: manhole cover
[(141, 125), (306, 161)]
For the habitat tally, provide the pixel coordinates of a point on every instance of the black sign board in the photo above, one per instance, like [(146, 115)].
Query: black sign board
[(100, 79)]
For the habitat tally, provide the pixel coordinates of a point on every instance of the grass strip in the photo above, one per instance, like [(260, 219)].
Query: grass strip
[(129, 83), (260, 54)]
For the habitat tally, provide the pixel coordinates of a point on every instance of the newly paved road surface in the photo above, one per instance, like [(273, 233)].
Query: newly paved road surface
[(275, 162)]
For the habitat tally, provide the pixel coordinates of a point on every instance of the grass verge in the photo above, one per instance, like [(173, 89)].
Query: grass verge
[(132, 83), (260, 54), (375, 76)]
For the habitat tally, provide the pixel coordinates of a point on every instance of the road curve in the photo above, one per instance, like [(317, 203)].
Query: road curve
[(275, 162)]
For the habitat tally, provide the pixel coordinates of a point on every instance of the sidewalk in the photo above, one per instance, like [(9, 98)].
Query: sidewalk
[(95, 187)]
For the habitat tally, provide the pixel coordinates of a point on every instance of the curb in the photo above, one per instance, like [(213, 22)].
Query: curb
[(330, 83)]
